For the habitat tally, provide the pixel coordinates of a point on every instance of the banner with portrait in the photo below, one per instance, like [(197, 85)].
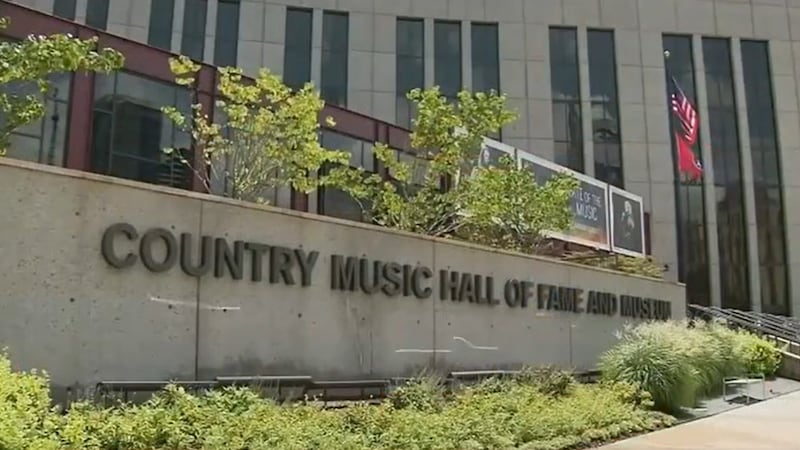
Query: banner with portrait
[(627, 223), (589, 203)]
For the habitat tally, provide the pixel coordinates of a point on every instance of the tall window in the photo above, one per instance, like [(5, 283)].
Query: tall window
[(566, 93), (766, 178), (226, 42), (447, 58), (297, 53), (159, 33), (129, 132), (43, 141), (64, 9), (410, 71), (485, 60), (194, 29), (689, 195), (605, 108), (731, 219), (334, 57), (97, 14)]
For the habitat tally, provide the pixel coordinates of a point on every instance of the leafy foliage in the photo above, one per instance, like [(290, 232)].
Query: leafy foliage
[(32, 61), (504, 207), (446, 138), (679, 362), (515, 413), (268, 139), (647, 267)]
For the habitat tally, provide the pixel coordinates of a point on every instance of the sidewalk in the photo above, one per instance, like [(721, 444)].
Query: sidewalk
[(772, 424)]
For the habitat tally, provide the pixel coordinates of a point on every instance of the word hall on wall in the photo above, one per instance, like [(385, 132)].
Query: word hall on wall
[(160, 250)]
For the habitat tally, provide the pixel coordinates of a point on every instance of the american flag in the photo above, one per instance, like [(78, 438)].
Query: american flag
[(687, 125)]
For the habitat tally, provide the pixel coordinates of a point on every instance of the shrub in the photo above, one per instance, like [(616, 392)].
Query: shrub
[(758, 355), (549, 380), (424, 393)]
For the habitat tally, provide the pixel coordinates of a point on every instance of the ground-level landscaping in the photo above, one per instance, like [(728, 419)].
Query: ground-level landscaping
[(656, 366)]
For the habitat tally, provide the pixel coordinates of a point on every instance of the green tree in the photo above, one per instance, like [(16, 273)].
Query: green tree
[(32, 61), (504, 207), (422, 193), (268, 137)]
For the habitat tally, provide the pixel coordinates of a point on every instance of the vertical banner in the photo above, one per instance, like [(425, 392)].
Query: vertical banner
[(589, 203), (627, 223)]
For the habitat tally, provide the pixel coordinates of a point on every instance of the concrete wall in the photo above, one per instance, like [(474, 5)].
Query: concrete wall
[(67, 310)]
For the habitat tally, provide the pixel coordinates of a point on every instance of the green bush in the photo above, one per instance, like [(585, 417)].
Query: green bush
[(541, 410), (680, 362)]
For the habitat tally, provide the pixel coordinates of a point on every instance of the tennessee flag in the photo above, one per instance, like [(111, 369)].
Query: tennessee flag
[(686, 126)]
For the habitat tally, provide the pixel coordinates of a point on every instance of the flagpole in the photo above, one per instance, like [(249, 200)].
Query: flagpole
[(681, 239)]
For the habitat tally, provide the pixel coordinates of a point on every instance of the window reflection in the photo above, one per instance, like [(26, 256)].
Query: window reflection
[(447, 57), (565, 89), (766, 177), (130, 132), (226, 40), (159, 33), (44, 140), (297, 54), (194, 29), (336, 203), (410, 68), (691, 224)]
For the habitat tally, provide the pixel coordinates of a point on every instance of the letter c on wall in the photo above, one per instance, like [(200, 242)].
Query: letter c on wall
[(107, 245)]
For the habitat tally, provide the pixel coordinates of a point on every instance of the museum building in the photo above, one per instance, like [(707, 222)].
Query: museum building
[(588, 78)]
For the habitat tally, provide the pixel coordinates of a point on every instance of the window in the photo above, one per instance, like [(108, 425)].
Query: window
[(159, 34), (565, 89), (45, 140), (447, 58), (194, 29), (766, 178), (129, 131), (731, 219), (297, 53), (689, 195), (485, 61), (334, 58), (410, 71), (64, 9), (97, 14), (227, 34), (337, 203), (605, 108)]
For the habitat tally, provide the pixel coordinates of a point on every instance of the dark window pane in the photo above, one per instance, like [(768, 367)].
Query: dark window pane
[(447, 57), (297, 53), (160, 32), (485, 58), (130, 132), (194, 29), (64, 9), (565, 89), (605, 120), (227, 33), (410, 66), (334, 58), (97, 13)]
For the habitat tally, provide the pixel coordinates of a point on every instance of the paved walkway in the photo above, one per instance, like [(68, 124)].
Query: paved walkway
[(772, 424)]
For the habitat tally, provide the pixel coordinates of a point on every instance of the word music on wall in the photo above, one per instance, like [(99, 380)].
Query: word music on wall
[(160, 250)]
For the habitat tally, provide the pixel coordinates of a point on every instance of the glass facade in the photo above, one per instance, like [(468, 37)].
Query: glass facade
[(728, 186), (410, 68), (566, 94), (97, 14), (334, 202), (605, 108), (64, 9), (297, 53), (159, 33), (129, 132), (447, 58), (333, 87), (485, 58), (45, 140), (690, 195), (193, 40), (766, 178), (226, 37)]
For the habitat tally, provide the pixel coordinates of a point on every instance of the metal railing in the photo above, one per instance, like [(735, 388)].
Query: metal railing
[(769, 325)]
